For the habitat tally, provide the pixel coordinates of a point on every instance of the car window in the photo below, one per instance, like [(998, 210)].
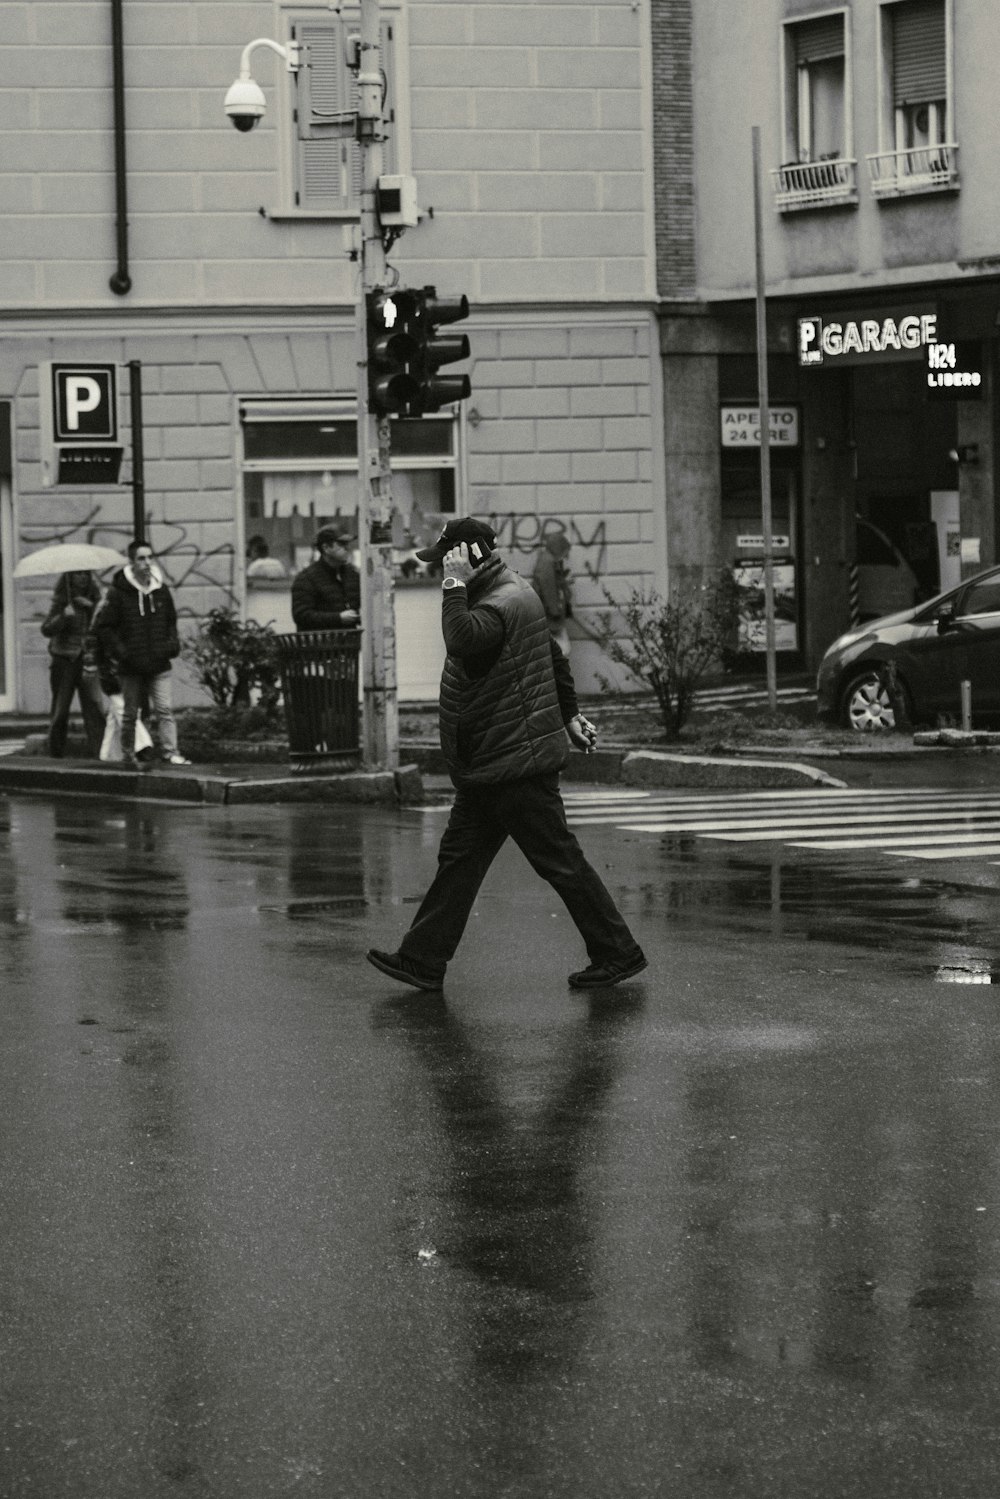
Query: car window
[(982, 598), (873, 551)]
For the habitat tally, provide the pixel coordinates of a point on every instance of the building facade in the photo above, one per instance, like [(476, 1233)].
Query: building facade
[(142, 230), (881, 252)]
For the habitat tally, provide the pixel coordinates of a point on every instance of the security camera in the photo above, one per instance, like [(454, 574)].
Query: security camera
[(245, 103)]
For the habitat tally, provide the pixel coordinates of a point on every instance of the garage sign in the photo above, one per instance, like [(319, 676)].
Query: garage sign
[(865, 337)]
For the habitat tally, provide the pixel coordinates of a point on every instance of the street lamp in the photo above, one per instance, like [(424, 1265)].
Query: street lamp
[(245, 104)]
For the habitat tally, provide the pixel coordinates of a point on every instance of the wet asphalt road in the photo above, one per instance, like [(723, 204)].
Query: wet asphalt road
[(271, 1226)]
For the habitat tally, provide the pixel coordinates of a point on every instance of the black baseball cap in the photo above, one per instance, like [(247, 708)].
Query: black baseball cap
[(327, 534), (473, 532)]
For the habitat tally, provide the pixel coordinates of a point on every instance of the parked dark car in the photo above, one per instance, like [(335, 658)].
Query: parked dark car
[(953, 637)]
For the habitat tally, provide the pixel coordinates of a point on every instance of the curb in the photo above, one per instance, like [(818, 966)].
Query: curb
[(633, 767), (652, 768), (207, 787)]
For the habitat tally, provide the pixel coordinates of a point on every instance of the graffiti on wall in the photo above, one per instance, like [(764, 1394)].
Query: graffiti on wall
[(182, 561), (521, 532)]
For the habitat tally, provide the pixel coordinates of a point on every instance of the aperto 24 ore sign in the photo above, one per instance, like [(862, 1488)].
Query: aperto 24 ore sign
[(741, 426)]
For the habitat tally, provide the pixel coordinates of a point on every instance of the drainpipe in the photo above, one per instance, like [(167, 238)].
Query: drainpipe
[(121, 281)]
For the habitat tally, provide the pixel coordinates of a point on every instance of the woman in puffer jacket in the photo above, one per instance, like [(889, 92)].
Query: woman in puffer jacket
[(74, 600)]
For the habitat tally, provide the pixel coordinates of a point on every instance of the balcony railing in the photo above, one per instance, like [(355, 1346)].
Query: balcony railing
[(814, 184), (924, 169)]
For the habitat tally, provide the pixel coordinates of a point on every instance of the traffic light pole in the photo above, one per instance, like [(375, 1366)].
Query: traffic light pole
[(378, 612)]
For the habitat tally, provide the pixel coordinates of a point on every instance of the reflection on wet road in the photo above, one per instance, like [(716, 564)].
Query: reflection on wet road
[(273, 1226)]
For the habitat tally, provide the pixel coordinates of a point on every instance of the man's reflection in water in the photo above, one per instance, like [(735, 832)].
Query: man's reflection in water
[(520, 1199)]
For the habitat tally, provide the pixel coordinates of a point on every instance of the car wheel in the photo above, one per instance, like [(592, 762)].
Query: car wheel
[(866, 706)]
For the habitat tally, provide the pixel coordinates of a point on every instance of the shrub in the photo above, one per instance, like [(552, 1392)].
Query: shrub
[(669, 644), (232, 659)]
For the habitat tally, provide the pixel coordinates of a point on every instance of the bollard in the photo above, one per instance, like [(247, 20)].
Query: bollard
[(966, 707)]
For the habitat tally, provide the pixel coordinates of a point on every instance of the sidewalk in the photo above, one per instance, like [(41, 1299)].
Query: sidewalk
[(629, 756), (216, 785)]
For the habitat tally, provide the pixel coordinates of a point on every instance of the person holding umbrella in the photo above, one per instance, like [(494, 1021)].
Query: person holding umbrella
[(74, 599)]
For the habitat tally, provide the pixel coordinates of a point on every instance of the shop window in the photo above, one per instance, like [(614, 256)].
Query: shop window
[(918, 154), (300, 471), (819, 169), (322, 154)]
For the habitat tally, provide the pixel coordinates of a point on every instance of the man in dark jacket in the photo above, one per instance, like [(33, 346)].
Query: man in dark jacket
[(327, 594), (507, 706), (137, 628)]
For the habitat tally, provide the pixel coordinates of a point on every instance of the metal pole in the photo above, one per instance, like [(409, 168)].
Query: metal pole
[(765, 432), (378, 614), (138, 462)]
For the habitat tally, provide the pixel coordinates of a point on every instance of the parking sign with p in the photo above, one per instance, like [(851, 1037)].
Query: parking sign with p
[(83, 403), (79, 422)]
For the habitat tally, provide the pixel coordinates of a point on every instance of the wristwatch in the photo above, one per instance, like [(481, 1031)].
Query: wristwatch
[(450, 583)]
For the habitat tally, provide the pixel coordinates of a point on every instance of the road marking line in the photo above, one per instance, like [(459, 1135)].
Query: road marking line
[(888, 843), (807, 826), (949, 853), (762, 829)]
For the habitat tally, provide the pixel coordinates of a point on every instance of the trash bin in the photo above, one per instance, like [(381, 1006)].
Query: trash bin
[(319, 679)]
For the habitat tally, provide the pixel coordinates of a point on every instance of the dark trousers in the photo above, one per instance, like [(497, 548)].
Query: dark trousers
[(531, 812), (66, 678)]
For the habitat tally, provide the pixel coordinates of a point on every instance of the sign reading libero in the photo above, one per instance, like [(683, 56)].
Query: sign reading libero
[(741, 426), (850, 339)]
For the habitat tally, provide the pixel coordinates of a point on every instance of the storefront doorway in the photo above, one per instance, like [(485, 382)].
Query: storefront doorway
[(743, 546)]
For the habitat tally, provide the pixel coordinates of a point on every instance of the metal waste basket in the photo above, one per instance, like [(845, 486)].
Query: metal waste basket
[(319, 680)]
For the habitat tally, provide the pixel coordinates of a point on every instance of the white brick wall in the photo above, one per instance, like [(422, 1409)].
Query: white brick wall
[(526, 139)]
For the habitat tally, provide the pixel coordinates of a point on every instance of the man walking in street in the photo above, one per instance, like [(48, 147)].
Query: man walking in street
[(137, 628), (327, 594), (507, 706)]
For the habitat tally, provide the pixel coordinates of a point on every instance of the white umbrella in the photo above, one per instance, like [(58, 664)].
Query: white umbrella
[(70, 557)]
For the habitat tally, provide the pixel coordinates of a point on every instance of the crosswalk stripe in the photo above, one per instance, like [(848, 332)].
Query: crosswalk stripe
[(941, 839), (770, 827), (910, 822), (726, 832), (575, 802), (952, 853)]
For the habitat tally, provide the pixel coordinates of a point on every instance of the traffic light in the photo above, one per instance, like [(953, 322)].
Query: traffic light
[(405, 351), (393, 353), (437, 349)]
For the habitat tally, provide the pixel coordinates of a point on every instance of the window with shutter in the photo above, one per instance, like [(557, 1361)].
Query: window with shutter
[(918, 153), (326, 157), (819, 170), (918, 52)]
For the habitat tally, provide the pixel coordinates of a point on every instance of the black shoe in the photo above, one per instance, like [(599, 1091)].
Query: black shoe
[(603, 975), (398, 967), (132, 762)]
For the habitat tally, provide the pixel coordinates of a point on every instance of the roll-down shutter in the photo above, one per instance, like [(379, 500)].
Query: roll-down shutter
[(818, 40), (918, 52)]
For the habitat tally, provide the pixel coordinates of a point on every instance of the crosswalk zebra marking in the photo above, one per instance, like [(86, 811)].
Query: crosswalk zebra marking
[(911, 822)]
